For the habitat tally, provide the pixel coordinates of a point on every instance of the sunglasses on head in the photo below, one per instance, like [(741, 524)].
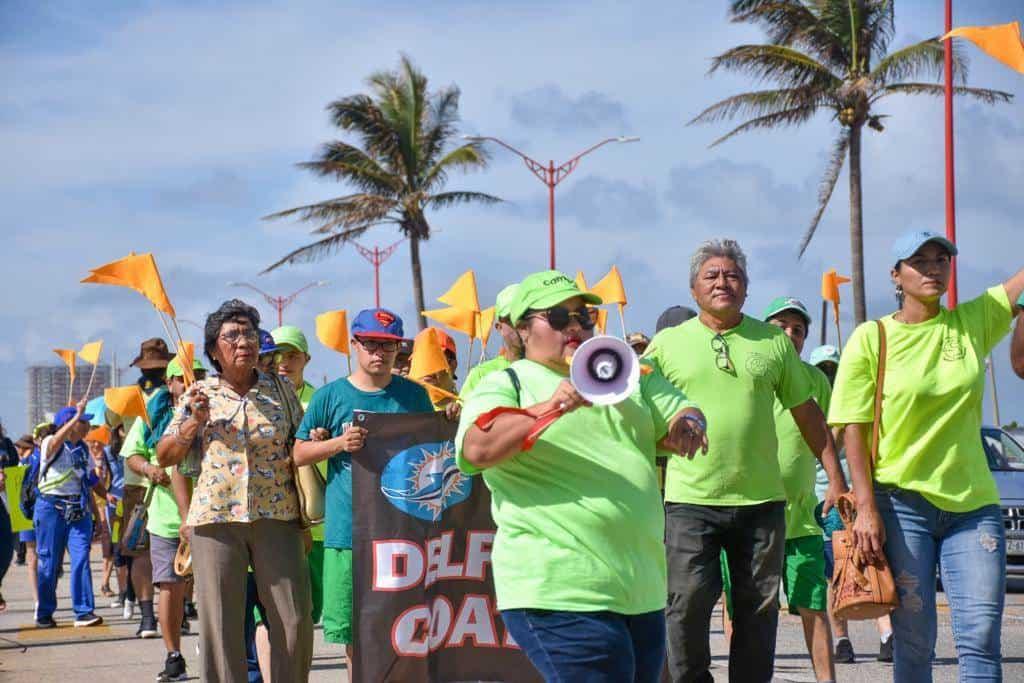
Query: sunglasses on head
[(559, 317)]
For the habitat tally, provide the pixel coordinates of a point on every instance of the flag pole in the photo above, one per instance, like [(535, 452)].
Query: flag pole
[(950, 175), (71, 382), (839, 331), (91, 375), (824, 317), (622, 319), (990, 361)]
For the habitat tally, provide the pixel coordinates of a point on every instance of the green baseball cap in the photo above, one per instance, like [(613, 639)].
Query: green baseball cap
[(174, 367), (544, 290), (825, 354), (503, 302), (292, 336), (786, 303)]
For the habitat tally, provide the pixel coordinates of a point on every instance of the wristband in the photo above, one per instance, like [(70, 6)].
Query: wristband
[(1020, 301), (697, 421)]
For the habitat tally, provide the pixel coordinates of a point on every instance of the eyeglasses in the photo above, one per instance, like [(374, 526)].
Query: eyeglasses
[(721, 348), (236, 336), (282, 356), (372, 345), (559, 317)]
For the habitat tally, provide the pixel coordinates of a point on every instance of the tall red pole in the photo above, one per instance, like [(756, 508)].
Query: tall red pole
[(377, 260), (551, 210), (950, 175), (280, 312)]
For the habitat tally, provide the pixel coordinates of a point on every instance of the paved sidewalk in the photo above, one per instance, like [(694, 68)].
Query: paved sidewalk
[(111, 653)]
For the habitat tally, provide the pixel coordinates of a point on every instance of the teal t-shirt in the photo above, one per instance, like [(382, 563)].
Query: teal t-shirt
[(797, 462), (580, 521), (331, 408)]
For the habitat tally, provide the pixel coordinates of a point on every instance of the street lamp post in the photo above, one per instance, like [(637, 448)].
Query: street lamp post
[(377, 257), (550, 175), (279, 302)]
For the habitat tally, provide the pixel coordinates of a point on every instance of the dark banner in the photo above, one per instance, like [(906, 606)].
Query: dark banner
[(421, 537)]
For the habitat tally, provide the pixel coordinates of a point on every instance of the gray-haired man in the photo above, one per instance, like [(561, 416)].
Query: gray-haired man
[(735, 367)]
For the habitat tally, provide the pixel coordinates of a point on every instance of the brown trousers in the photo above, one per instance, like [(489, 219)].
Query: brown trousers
[(221, 555)]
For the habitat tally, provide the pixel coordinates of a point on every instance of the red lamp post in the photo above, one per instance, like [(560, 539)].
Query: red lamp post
[(377, 257), (950, 178), (279, 302), (550, 175)]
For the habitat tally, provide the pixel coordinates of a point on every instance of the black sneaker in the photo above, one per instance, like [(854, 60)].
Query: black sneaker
[(46, 622), (190, 610), (147, 628), (174, 668), (885, 650), (844, 652), (89, 619)]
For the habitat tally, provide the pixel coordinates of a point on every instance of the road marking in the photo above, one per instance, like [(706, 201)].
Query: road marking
[(30, 633)]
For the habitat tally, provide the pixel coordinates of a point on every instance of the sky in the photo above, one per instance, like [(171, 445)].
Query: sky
[(174, 127)]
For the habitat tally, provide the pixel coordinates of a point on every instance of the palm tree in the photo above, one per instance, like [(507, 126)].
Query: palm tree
[(399, 170), (830, 55)]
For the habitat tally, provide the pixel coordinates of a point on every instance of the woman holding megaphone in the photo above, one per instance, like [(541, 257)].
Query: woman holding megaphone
[(579, 556)]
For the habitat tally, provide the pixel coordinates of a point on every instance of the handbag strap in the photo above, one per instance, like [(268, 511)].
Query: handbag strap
[(876, 426), (286, 405)]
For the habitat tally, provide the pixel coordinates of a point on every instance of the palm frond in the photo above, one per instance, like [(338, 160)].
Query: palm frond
[(338, 207), (827, 185), (761, 103), (343, 161), (926, 58), (445, 200), (466, 157), (794, 24), (789, 117), (442, 117), (784, 65), (319, 249), (982, 94), (361, 115)]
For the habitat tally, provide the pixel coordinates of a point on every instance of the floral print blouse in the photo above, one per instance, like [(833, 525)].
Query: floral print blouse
[(246, 469)]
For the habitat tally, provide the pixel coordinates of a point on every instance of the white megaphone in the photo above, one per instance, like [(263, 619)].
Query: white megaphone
[(605, 370)]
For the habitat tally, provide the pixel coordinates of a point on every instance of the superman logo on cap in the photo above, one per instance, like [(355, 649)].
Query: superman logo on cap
[(384, 318)]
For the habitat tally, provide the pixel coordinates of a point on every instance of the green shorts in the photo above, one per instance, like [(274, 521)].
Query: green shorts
[(337, 609), (803, 576), (316, 578)]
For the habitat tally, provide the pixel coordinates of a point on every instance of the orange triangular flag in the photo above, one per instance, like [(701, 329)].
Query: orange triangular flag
[(332, 330), (90, 353), (68, 356), (126, 401), (830, 282), (463, 293), (463, 320), (485, 324), (602, 320), (610, 288), (581, 281), (186, 357), (427, 355), (138, 272), (1001, 42)]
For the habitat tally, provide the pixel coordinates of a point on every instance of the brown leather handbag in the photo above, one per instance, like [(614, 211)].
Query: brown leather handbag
[(862, 590)]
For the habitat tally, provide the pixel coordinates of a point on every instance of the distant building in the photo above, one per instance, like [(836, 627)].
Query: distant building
[(48, 388)]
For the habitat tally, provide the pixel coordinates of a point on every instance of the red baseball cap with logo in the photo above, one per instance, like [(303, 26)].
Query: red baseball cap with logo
[(378, 323)]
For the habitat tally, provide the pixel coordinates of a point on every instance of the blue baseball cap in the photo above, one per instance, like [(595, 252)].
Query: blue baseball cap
[(267, 344), (378, 323), (65, 414), (908, 244)]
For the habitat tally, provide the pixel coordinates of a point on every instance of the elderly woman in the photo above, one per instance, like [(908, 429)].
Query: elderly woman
[(244, 508), (931, 502), (583, 504)]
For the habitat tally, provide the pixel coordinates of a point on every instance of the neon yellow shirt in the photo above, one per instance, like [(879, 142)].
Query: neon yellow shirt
[(580, 521), (742, 464), (496, 364), (798, 463), (931, 410)]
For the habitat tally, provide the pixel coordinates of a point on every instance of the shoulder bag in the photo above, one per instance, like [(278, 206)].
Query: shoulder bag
[(862, 590), (136, 538), (309, 481)]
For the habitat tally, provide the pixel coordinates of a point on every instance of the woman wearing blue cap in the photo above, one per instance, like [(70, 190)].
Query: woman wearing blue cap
[(62, 518), (929, 501)]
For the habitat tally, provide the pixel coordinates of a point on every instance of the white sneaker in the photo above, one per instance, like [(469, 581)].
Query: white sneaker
[(129, 609)]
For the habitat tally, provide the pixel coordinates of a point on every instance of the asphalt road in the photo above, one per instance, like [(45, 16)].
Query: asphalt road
[(111, 653)]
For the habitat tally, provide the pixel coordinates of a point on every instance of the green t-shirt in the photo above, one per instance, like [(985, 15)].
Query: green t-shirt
[(580, 523), (742, 464), (798, 463), (932, 399), (305, 395), (480, 371), (163, 519)]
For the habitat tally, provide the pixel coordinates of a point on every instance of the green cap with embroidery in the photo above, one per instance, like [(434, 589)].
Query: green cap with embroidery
[(786, 303), (546, 289), (292, 336)]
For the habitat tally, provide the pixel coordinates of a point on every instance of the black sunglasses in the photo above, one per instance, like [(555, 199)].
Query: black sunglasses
[(721, 349), (559, 317)]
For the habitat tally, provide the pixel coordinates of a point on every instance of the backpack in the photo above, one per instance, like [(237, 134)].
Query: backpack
[(29, 487)]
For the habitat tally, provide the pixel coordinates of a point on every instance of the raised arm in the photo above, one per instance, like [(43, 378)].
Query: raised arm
[(1017, 347)]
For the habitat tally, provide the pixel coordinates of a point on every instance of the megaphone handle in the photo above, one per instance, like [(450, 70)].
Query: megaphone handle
[(541, 423)]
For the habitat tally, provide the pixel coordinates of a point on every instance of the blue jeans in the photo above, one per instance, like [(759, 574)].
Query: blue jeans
[(590, 646), (53, 535), (970, 550)]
